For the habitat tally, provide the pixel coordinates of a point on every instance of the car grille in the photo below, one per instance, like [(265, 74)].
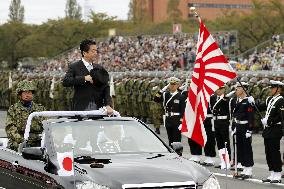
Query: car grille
[(166, 185)]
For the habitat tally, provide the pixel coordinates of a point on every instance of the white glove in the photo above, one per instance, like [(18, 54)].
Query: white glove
[(248, 134), (165, 88), (230, 94), (155, 88), (264, 121), (233, 132), (251, 100), (179, 127), (183, 87)]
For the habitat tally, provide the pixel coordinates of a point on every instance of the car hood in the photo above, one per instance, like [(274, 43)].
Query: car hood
[(146, 168)]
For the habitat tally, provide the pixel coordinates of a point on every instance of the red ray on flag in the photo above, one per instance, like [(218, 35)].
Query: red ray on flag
[(211, 71)]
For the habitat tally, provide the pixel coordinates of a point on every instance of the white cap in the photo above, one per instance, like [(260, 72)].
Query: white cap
[(173, 80), (245, 84), (279, 83)]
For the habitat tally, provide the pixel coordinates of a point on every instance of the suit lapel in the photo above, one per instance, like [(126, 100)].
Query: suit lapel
[(83, 68)]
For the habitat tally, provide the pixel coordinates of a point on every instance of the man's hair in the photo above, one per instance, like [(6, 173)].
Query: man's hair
[(85, 45)]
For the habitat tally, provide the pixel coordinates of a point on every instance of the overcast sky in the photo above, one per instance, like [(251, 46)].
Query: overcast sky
[(38, 11)]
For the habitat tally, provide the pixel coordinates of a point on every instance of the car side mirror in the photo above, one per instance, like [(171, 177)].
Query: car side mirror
[(178, 148), (3, 142), (32, 153)]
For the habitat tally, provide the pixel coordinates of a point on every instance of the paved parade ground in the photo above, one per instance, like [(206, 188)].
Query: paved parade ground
[(260, 169)]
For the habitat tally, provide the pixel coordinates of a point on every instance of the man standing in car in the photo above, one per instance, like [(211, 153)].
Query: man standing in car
[(17, 116), (90, 81)]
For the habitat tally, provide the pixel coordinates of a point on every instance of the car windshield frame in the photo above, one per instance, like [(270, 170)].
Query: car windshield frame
[(94, 129)]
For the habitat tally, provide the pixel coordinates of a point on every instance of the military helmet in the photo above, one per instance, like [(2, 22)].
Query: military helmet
[(241, 84), (155, 80), (253, 80), (25, 86), (244, 79), (265, 81), (173, 80)]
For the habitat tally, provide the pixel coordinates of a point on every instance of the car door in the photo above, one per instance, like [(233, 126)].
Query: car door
[(17, 172)]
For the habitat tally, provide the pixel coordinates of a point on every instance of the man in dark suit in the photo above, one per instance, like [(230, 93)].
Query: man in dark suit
[(90, 81)]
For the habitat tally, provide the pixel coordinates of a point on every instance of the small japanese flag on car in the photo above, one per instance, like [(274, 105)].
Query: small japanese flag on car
[(66, 165)]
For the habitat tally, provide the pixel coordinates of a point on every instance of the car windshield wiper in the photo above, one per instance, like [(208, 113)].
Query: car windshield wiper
[(82, 157), (90, 159)]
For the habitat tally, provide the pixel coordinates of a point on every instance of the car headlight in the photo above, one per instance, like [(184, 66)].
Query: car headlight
[(90, 185), (211, 183)]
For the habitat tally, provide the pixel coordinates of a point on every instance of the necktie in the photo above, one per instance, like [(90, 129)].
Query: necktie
[(89, 67)]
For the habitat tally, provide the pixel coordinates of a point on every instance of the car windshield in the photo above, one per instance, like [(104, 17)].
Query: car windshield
[(91, 137)]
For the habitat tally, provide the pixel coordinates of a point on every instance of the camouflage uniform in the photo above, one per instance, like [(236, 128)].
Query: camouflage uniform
[(254, 90), (141, 100), (265, 90), (17, 116), (156, 109), (134, 98), (128, 88), (122, 95), (119, 88)]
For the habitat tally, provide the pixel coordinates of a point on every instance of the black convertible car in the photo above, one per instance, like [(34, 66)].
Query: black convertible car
[(107, 153)]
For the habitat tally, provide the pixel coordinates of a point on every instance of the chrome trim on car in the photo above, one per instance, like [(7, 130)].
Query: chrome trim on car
[(187, 184)]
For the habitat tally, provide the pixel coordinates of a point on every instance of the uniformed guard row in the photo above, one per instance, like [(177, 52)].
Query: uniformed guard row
[(133, 91)]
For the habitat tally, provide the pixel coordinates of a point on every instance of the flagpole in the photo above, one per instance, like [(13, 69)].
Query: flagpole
[(192, 9), (226, 164), (74, 176), (235, 154)]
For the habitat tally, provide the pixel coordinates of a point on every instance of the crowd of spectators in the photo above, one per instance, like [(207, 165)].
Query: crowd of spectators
[(141, 53), (269, 58), (166, 53)]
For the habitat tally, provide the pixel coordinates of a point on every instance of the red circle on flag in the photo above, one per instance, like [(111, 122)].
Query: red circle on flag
[(67, 163)]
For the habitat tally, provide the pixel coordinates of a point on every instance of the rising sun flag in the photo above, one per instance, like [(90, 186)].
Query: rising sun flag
[(66, 164), (211, 71)]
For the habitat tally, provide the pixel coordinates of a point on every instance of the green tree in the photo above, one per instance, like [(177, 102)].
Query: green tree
[(132, 9), (16, 11), (12, 35), (73, 10), (259, 25), (61, 35), (173, 11), (138, 11)]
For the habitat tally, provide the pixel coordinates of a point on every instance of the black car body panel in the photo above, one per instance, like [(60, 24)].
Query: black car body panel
[(112, 170), (147, 168)]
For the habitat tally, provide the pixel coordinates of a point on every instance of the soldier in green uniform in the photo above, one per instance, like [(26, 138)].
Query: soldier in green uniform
[(156, 109), (4, 90), (123, 96), (141, 100), (58, 94), (134, 97), (17, 116), (13, 96), (254, 90), (265, 90), (129, 92)]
